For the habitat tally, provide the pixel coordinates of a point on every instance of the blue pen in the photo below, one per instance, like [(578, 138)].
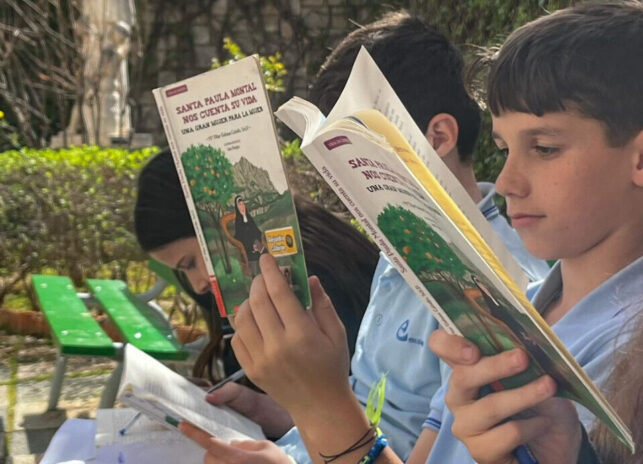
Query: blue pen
[(522, 453), (129, 424)]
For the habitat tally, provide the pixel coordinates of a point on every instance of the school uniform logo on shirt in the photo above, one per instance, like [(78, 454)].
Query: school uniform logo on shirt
[(403, 334)]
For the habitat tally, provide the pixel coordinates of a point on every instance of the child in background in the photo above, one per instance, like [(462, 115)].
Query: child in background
[(566, 97)]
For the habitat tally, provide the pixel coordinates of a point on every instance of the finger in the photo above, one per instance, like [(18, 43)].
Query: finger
[(247, 330), (263, 310), (228, 394), (200, 437), (489, 411), (221, 452), (501, 441), (242, 354), (453, 349), (284, 300), (324, 312), (466, 381), (249, 445)]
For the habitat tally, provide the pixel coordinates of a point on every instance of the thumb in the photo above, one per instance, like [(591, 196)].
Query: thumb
[(324, 312), (228, 394)]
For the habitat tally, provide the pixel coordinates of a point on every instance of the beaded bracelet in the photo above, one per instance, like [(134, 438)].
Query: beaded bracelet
[(380, 443)]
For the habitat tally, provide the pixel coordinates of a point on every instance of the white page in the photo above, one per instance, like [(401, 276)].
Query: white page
[(148, 384), (368, 88), (73, 441), (174, 452)]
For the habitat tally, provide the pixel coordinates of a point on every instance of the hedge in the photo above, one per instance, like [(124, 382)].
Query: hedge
[(68, 210)]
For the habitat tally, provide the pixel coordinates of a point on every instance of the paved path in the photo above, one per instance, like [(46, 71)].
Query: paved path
[(26, 368)]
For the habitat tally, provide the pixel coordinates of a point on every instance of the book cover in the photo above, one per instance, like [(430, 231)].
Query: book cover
[(221, 132), (424, 233)]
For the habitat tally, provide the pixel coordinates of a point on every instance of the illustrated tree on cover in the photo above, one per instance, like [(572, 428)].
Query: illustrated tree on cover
[(421, 247), (212, 185)]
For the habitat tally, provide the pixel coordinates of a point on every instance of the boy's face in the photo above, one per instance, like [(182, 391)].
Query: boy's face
[(567, 190)]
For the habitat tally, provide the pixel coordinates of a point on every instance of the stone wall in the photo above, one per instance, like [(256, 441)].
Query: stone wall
[(179, 39)]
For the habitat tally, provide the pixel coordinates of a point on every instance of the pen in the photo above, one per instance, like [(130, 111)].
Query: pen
[(232, 378), (522, 453), (129, 424)]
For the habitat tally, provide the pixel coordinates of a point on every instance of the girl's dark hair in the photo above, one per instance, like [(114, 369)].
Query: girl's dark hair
[(343, 259), (160, 214), (587, 58)]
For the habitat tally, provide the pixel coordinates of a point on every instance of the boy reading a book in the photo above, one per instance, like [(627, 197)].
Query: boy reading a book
[(425, 69), (566, 97)]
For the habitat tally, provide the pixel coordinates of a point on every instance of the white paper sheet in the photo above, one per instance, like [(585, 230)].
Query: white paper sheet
[(74, 441)]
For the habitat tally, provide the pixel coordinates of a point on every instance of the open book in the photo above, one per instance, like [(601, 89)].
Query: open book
[(367, 150), (221, 132), (168, 398)]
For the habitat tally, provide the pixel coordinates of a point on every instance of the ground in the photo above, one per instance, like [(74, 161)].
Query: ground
[(26, 367)]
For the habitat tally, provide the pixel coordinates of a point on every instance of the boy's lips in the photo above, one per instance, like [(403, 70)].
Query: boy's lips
[(521, 220)]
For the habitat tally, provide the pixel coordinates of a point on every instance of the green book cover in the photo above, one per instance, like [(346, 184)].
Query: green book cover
[(221, 132)]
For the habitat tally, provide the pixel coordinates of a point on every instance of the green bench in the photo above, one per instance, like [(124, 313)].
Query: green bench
[(75, 332)]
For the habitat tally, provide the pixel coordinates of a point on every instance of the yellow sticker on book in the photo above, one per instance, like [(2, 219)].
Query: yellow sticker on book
[(281, 242)]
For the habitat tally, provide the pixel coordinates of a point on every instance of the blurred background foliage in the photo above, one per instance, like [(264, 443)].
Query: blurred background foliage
[(69, 211)]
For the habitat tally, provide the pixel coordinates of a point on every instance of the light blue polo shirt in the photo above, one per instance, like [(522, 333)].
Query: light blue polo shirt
[(393, 337), (592, 331)]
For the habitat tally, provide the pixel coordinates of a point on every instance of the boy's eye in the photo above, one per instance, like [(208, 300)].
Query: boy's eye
[(546, 151), (504, 152)]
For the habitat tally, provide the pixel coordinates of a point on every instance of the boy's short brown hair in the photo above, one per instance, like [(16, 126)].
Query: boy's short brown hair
[(587, 58)]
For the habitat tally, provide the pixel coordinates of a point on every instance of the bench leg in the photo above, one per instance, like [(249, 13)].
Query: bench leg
[(57, 381), (108, 397)]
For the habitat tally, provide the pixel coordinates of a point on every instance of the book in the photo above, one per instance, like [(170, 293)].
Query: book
[(168, 398), (368, 151), (222, 136)]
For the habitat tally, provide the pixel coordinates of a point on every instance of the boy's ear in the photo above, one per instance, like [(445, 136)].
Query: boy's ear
[(442, 133), (637, 161)]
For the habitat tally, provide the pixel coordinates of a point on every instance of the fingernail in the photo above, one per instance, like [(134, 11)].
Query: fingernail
[(467, 352), (517, 359), (544, 386)]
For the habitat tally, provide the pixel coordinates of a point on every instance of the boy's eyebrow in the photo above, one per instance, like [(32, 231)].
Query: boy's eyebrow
[(531, 132)]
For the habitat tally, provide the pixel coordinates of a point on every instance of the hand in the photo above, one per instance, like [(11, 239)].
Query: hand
[(549, 426), (236, 452), (298, 357), (258, 407)]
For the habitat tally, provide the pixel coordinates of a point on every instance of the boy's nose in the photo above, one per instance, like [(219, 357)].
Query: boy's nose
[(511, 182)]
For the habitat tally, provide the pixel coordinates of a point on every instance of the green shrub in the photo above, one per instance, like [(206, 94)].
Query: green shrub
[(69, 211)]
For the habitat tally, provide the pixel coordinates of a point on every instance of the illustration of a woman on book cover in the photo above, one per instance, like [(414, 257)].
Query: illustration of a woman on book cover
[(247, 232)]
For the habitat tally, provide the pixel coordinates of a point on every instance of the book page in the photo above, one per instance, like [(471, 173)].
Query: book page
[(367, 88), (439, 253), (164, 395)]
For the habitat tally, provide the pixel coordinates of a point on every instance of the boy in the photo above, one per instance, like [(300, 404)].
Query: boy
[(425, 70), (566, 97)]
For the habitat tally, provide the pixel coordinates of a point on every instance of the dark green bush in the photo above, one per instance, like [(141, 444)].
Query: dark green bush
[(69, 211)]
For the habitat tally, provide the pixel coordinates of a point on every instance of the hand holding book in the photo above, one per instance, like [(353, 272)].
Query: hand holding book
[(493, 426)]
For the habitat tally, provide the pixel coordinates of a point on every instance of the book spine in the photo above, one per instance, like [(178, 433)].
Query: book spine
[(176, 156)]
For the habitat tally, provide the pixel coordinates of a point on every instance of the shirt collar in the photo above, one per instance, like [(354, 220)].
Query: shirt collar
[(487, 205), (623, 291)]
